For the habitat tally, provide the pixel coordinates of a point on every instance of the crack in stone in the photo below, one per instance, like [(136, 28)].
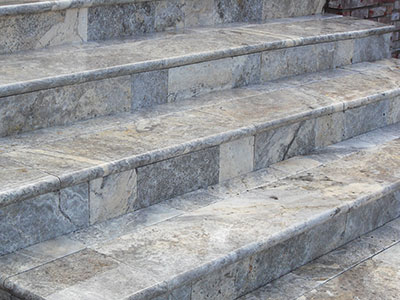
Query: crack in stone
[(292, 141)]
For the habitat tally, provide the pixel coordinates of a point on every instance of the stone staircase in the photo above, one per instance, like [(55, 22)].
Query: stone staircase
[(188, 149)]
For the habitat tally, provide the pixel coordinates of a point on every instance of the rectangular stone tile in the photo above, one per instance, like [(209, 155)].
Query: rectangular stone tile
[(344, 53), (394, 111), (236, 158), (365, 118), (297, 60), (353, 89), (74, 204), (285, 8), (123, 20), (383, 237), (228, 11), (19, 180), (36, 255), (112, 196), (61, 274), (329, 129), (227, 283), (278, 144), (294, 165), (35, 220), (196, 79), (33, 31), (298, 250), (176, 176), (64, 105), (372, 48), (149, 88), (376, 278), (332, 264), (248, 274), (199, 13), (116, 227), (169, 14), (371, 215), (192, 201), (325, 268)]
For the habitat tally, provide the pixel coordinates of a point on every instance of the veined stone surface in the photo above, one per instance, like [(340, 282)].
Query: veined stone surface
[(97, 20), (193, 144), (366, 268), (47, 88), (224, 239)]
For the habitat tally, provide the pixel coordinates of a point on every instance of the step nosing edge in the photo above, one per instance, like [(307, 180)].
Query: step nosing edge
[(55, 81), (153, 156)]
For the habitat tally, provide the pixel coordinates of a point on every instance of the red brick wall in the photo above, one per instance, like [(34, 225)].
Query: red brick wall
[(385, 11)]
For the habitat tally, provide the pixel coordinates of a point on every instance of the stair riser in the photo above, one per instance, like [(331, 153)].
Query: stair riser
[(69, 103), (79, 23), (6, 296), (249, 273), (27, 221)]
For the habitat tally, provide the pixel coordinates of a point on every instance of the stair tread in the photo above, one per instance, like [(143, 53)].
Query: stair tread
[(351, 271), (13, 7), (205, 230), (41, 161), (53, 67)]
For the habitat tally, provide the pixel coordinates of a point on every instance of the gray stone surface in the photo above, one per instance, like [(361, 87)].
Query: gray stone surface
[(227, 11), (169, 14), (64, 105), (74, 204), (33, 31), (34, 220), (36, 255), (107, 22), (149, 88), (197, 79), (366, 118), (333, 276), (234, 9), (394, 111), (376, 278), (19, 180), (329, 129), (236, 158), (372, 215), (96, 61), (372, 48), (284, 142), (79, 266), (238, 235), (112, 196), (285, 8), (176, 176), (96, 148), (297, 60)]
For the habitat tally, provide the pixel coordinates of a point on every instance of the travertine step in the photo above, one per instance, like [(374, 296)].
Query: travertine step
[(57, 180), (33, 24), (367, 268), (60, 86), (226, 241)]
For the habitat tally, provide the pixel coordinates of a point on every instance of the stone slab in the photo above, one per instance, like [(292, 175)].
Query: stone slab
[(96, 148), (237, 235), (94, 61)]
